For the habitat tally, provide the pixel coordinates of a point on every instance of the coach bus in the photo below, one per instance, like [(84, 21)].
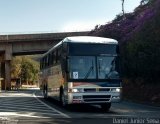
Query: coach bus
[(82, 70)]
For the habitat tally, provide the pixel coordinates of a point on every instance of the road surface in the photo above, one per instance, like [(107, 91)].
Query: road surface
[(28, 106)]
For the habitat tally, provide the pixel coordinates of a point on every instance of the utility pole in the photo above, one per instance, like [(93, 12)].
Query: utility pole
[(123, 9)]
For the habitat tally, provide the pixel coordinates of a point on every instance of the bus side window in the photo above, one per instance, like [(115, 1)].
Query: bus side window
[(64, 49), (54, 60), (58, 55), (40, 64), (52, 56), (48, 60), (45, 62)]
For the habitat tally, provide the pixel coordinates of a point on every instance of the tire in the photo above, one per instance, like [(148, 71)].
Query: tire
[(62, 99), (45, 92), (106, 106)]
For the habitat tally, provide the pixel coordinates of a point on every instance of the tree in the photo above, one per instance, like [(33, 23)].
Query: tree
[(16, 67), (29, 70), (25, 68)]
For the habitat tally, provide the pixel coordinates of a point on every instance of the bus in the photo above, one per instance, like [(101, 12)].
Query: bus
[(82, 70)]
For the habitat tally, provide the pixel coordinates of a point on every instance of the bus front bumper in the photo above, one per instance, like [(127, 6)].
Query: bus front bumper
[(93, 98)]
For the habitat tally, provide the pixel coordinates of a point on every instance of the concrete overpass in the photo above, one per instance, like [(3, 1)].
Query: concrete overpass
[(26, 44)]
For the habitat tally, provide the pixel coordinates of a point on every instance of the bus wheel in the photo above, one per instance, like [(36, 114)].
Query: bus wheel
[(45, 94), (106, 106), (63, 100)]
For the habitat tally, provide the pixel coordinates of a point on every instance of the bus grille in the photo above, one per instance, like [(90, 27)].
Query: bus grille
[(96, 98), (96, 89)]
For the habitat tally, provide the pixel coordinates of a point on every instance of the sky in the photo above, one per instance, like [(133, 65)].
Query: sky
[(40, 16)]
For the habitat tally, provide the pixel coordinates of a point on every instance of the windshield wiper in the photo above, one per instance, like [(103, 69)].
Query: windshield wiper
[(89, 71)]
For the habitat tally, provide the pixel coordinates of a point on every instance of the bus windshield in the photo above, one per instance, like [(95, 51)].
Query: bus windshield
[(88, 67), (82, 67), (107, 67)]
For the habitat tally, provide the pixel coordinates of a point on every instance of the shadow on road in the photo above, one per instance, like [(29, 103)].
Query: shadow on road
[(77, 108), (69, 121)]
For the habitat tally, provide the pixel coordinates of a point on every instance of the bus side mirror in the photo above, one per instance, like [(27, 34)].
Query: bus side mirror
[(66, 69)]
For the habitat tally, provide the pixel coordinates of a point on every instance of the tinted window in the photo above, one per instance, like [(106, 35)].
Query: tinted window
[(82, 67), (107, 67), (92, 49)]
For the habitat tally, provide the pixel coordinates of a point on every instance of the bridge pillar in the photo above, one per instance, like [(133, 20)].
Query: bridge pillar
[(8, 75), (2, 75), (5, 75), (8, 58), (5, 66)]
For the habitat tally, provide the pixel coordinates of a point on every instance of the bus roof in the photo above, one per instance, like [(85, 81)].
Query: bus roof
[(84, 39), (90, 39)]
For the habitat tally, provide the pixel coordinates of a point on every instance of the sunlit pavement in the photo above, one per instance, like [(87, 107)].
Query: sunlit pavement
[(24, 105), (28, 107)]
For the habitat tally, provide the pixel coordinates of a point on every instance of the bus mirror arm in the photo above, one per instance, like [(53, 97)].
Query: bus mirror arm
[(67, 71), (66, 68)]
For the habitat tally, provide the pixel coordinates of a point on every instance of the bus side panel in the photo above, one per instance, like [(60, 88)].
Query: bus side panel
[(54, 81), (43, 78)]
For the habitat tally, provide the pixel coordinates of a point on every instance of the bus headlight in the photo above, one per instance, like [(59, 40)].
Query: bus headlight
[(116, 90), (75, 90)]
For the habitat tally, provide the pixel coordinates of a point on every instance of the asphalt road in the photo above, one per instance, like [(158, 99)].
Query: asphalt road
[(28, 107)]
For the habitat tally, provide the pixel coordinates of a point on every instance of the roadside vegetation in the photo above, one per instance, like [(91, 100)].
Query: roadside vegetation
[(25, 68), (139, 36)]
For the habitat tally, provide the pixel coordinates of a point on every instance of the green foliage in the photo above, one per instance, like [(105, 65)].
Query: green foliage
[(139, 38), (25, 68), (141, 60), (143, 51), (16, 67)]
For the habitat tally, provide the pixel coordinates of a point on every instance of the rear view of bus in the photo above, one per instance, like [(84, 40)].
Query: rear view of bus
[(90, 71)]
